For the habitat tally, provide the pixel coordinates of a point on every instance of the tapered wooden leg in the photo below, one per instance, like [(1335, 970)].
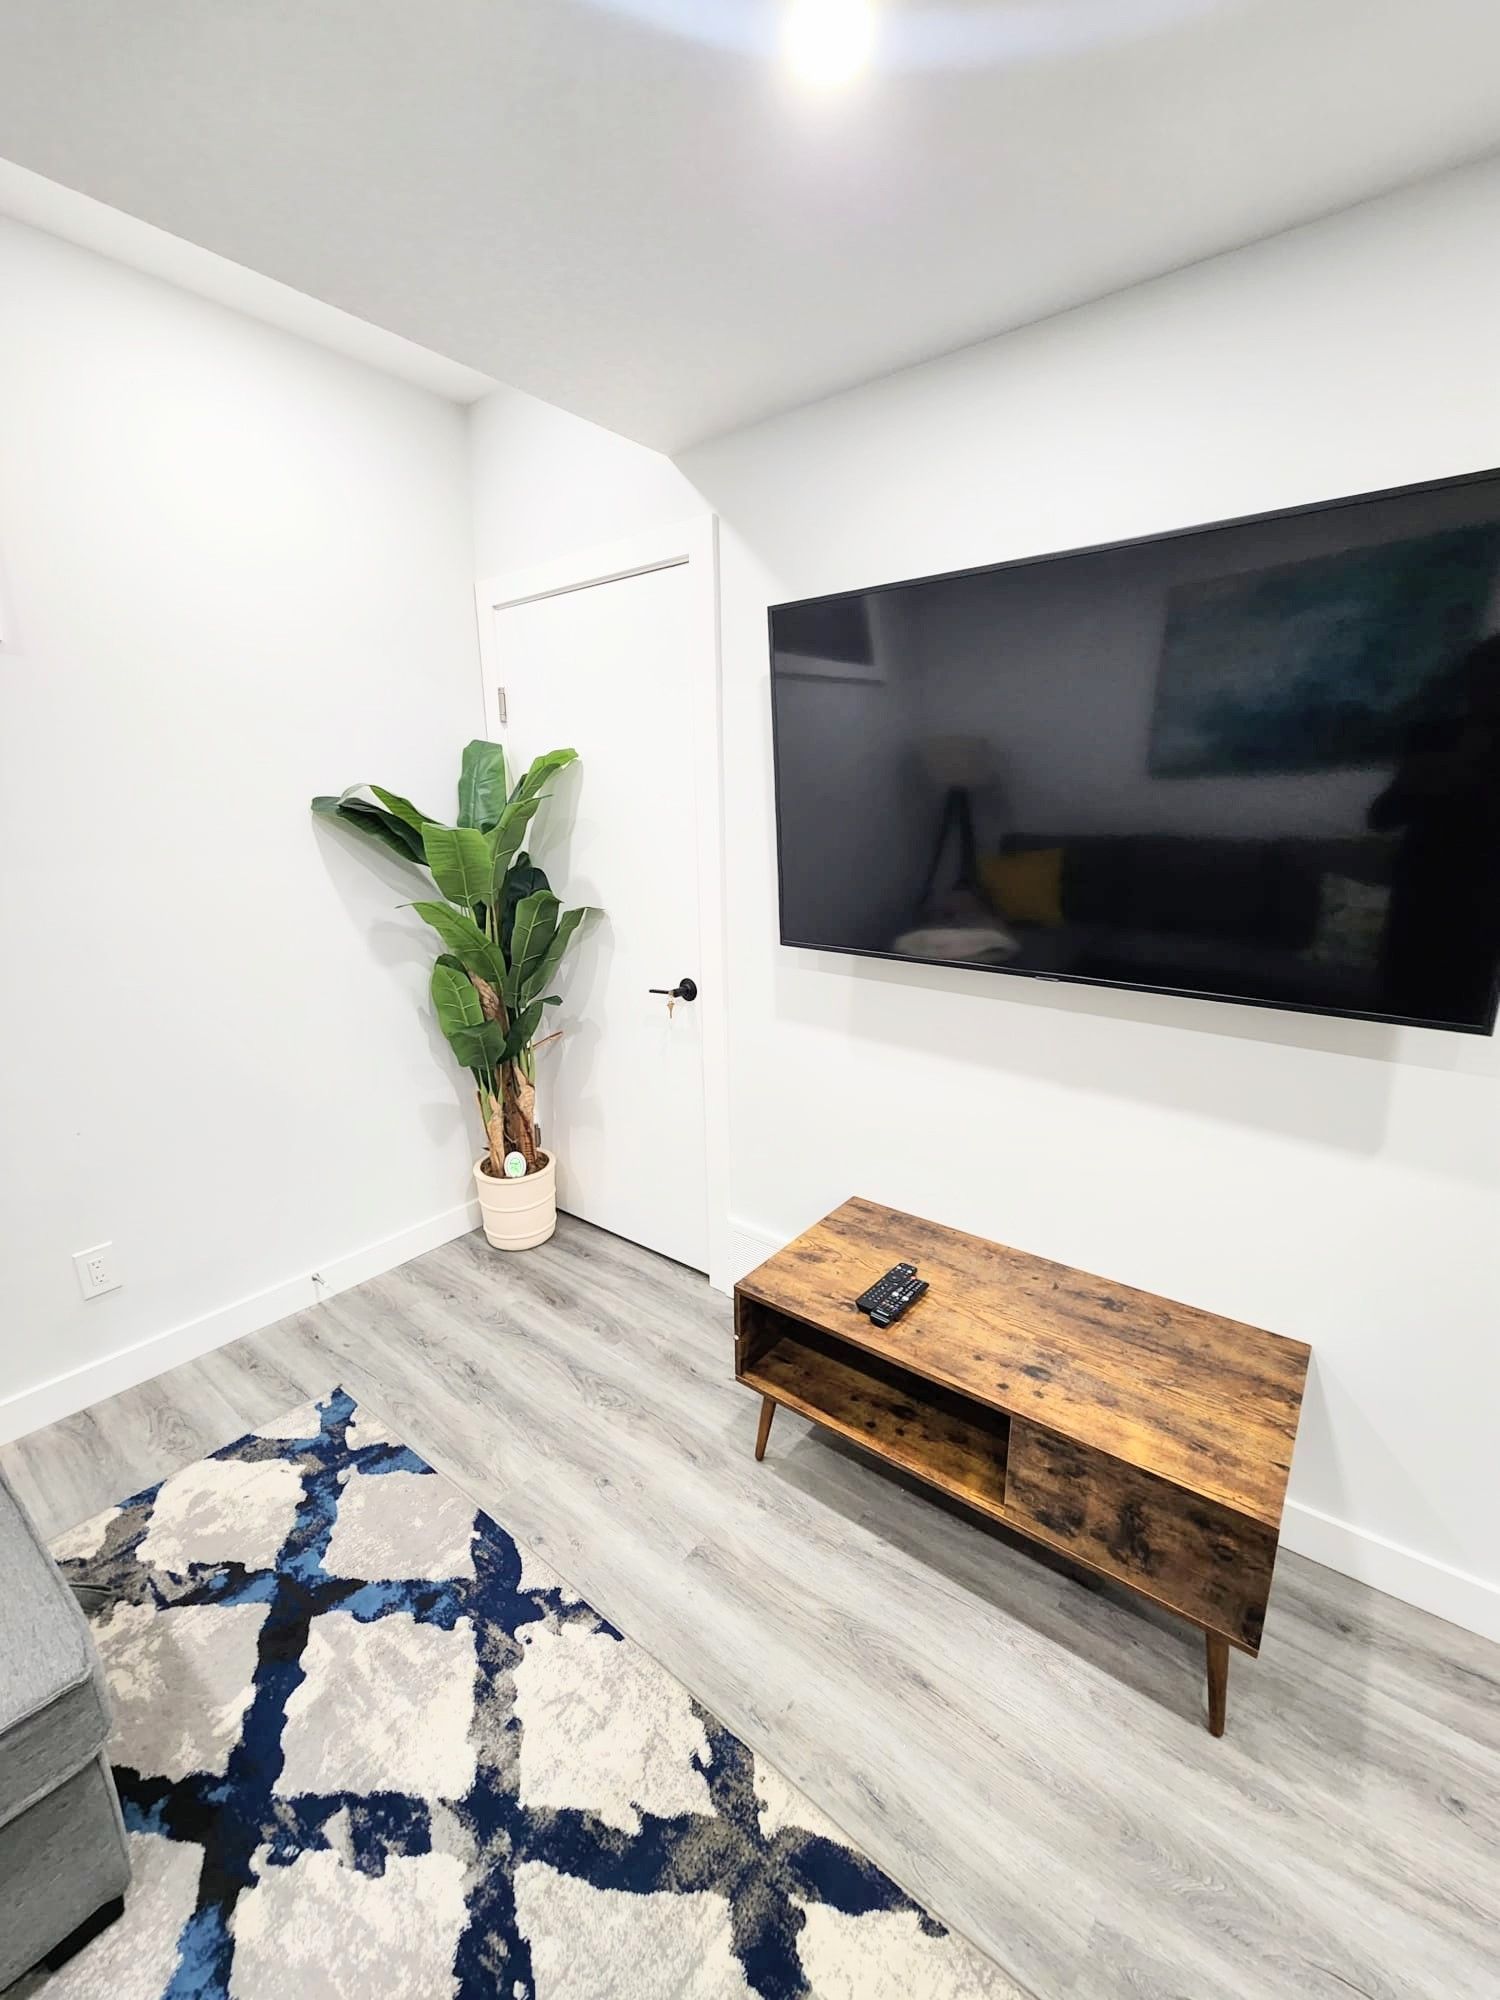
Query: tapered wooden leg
[(767, 1411), (1218, 1682)]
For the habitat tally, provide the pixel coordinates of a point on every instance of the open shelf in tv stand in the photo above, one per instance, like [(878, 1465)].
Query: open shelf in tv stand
[(954, 1444)]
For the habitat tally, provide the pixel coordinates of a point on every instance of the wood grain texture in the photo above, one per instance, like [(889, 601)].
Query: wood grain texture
[(1217, 1651), (1009, 1330), (763, 1427), (1188, 1554), (950, 1442), (755, 1328), (1204, 1402), (1005, 1734)]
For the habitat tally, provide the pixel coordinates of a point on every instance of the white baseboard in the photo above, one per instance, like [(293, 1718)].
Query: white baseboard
[(1386, 1566), (745, 1244), (1431, 1585), (64, 1395)]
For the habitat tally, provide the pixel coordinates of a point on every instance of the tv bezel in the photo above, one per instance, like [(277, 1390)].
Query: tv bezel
[(1492, 476)]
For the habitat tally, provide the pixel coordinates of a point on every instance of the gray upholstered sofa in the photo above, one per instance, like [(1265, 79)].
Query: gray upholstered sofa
[(64, 1865)]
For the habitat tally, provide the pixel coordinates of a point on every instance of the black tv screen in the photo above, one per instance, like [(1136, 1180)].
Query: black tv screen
[(1258, 761)]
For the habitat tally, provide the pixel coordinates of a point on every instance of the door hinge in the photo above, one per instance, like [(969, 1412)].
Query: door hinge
[(500, 706)]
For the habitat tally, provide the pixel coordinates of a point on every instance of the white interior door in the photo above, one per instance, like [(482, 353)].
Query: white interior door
[(611, 666)]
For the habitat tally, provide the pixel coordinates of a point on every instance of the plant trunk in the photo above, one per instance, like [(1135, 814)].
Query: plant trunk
[(493, 1109), (520, 1121), (509, 1118)]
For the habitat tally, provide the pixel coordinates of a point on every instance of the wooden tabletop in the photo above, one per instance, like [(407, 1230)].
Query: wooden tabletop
[(1207, 1403)]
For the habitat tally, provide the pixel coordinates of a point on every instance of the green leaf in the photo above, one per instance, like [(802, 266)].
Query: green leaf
[(465, 940), (459, 858), (481, 785), (481, 868), (533, 932), (522, 879), (481, 1049), (454, 1000), (478, 1044), (540, 975), (392, 833), (510, 828), (530, 785), (505, 841), (402, 808), (521, 1031)]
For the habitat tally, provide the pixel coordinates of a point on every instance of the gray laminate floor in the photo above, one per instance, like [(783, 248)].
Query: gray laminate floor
[(1022, 1749)]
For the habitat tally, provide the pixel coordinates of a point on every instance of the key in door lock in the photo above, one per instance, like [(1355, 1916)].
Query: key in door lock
[(685, 990)]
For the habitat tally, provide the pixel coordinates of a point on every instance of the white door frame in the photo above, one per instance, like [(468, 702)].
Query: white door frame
[(693, 544)]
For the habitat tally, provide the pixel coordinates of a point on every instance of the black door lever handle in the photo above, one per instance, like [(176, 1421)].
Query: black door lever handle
[(685, 989)]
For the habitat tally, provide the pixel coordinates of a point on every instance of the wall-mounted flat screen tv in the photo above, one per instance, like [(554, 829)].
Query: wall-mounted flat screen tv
[(1258, 762)]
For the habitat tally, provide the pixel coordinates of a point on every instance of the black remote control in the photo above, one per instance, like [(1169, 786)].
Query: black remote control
[(891, 1311), (886, 1287)]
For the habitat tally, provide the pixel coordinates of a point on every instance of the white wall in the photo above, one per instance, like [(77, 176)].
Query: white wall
[(234, 571), (1334, 1181), (548, 484)]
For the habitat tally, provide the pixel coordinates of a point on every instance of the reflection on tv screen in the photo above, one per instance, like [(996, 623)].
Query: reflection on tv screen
[(1257, 762)]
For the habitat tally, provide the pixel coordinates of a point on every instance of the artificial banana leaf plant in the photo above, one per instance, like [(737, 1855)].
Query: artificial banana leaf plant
[(504, 931)]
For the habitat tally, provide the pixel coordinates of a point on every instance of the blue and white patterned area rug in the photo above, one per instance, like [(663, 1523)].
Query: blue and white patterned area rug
[(367, 1745)]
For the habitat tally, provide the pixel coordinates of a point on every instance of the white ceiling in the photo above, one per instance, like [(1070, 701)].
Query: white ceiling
[(626, 207)]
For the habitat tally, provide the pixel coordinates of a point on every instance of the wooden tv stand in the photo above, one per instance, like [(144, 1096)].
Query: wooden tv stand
[(1145, 1440)]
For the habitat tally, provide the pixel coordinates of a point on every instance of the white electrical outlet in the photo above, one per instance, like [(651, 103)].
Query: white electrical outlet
[(96, 1270)]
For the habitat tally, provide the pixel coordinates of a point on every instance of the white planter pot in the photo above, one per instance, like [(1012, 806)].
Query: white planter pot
[(517, 1215)]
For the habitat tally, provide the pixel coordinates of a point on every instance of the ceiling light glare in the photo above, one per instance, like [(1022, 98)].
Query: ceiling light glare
[(828, 42)]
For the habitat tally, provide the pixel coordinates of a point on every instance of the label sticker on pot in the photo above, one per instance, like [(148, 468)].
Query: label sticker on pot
[(515, 1166)]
